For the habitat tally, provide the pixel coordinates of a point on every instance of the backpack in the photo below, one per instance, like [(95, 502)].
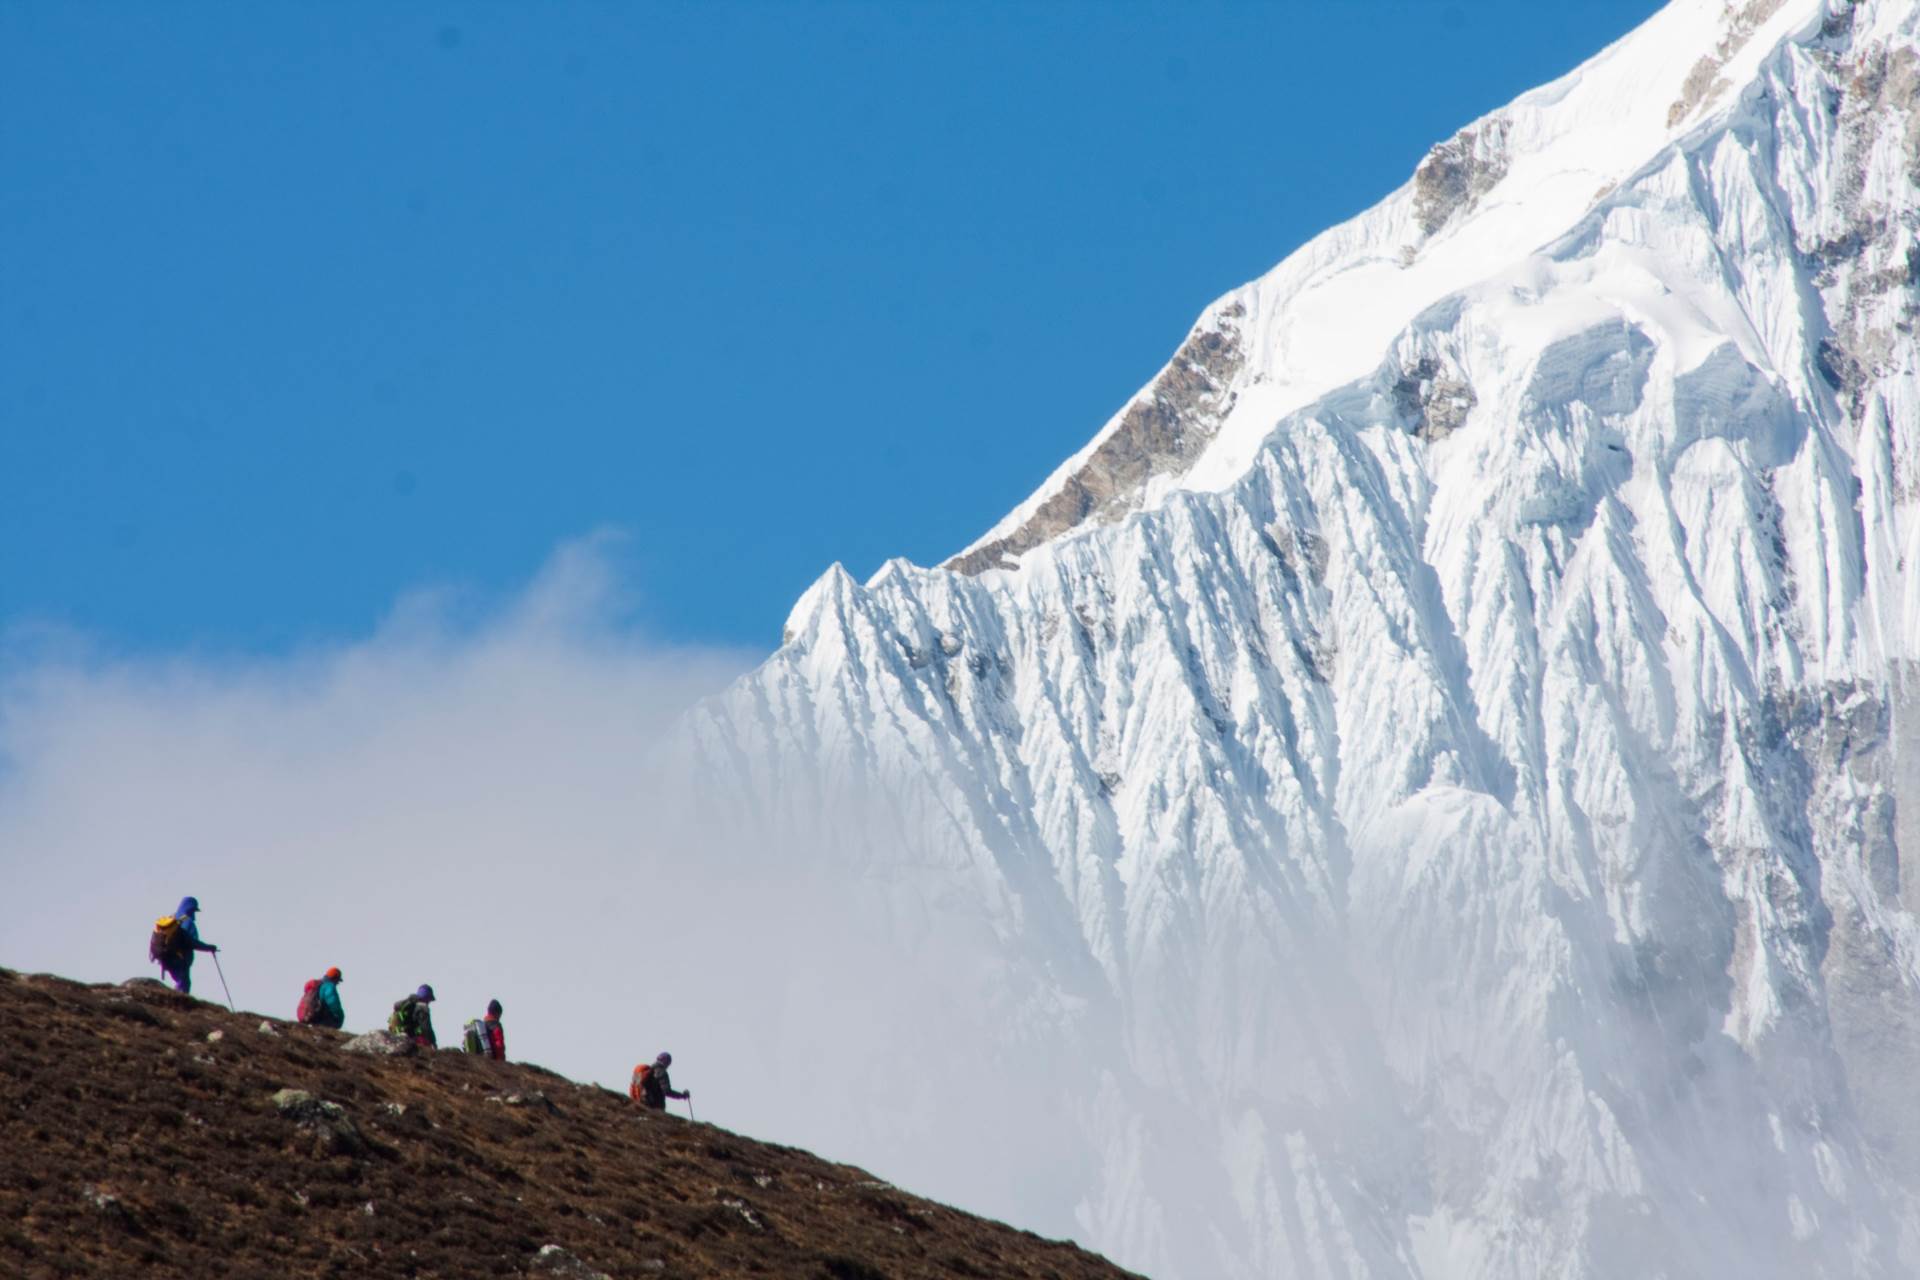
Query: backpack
[(476, 1037), (638, 1089), (165, 940), (309, 1002), (401, 1023)]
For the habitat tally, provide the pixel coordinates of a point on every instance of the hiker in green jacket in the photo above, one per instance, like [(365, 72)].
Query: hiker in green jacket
[(412, 1019)]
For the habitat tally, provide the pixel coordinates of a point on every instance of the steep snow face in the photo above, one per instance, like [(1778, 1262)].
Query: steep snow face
[(1517, 178), (1438, 814)]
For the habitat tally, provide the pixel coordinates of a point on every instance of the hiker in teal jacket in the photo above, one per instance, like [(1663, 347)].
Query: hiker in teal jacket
[(327, 996)]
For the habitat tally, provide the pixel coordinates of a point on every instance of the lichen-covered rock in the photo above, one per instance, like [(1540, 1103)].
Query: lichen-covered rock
[(334, 1132), (383, 1043)]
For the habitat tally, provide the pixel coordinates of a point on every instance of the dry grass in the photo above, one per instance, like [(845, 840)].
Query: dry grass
[(133, 1146)]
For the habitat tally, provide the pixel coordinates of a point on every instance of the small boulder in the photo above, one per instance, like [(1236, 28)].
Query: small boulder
[(268, 1029), (552, 1260), (333, 1131), (109, 1206), (398, 1117), (215, 1037), (381, 1043), (300, 1104), (531, 1098)]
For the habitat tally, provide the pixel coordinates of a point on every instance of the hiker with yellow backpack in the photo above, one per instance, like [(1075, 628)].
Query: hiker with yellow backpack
[(175, 939)]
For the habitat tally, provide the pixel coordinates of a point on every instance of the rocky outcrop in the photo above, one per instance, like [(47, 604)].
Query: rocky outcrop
[(1433, 400), (1704, 81), (1457, 172), (1165, 427), (382, 1044)]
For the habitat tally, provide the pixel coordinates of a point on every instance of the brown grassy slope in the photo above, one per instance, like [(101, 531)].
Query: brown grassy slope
[(131, 1145)]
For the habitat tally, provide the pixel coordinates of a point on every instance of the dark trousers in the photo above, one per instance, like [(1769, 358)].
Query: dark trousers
[(181, 971)]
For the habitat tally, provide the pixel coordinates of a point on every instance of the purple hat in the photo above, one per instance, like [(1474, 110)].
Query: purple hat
[(424, 993)]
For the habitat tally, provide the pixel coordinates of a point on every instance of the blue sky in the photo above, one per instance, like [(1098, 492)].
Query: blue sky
[(303, 307)]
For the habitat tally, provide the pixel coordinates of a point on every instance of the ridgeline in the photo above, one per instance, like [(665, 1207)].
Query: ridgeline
[(149, 1134)]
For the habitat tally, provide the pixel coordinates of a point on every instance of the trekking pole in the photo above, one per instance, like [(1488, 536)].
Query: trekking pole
[(223, 982), (690, 1116)]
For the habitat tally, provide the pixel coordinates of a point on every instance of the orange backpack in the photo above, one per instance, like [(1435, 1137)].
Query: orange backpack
[(638, 1089)]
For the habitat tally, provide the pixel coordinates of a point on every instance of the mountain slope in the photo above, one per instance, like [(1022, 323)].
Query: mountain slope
[(150, 1134), (1425, 779)]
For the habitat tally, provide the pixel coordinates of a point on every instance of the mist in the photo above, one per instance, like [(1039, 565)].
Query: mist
[(479, 803)]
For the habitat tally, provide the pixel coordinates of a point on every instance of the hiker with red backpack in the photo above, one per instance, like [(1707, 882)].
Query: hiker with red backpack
[(411, 1018), (651, 1086), (486, 1037), (175, 939), (320, 1003)]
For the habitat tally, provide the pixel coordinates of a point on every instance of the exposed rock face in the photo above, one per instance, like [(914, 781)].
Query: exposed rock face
[(1457, 172), (1165, 426), (1704, 83), (1433, 401)]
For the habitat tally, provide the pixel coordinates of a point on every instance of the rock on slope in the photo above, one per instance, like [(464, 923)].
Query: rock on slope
[(152, 1135), (1426, 778)]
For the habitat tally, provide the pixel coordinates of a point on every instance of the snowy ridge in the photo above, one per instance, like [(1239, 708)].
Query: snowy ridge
[(1525, 172), (1451, 826)]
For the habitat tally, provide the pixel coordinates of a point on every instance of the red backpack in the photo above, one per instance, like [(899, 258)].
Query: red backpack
[(309, 1002), (638, 1089)]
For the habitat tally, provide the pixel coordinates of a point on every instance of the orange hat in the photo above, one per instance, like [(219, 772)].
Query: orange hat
[(334, 974)]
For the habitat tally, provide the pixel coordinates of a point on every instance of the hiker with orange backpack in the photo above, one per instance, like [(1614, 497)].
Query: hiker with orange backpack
[(651, 1086), (175, 939), (320, 1003)]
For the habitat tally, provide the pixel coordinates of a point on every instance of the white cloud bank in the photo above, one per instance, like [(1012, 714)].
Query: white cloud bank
[(469, 804), (436, 803)]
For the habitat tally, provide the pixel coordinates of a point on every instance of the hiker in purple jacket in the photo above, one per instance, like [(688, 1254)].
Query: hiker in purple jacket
[(173, 948)]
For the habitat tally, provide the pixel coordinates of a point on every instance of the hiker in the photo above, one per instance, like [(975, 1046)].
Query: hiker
[(486, 1036), (320, 1003), (175, 939), (652, 1086), (411, 1018)]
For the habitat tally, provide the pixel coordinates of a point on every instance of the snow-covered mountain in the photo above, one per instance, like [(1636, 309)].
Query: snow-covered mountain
[(1423, 785)]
